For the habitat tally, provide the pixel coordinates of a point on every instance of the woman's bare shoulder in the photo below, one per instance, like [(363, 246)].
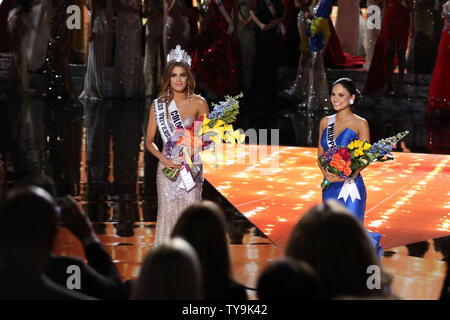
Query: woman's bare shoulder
[(323, 122), (360, 121), (198, 99)]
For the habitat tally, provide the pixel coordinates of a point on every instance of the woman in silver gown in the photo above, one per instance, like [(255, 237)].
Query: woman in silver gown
[(176, 107), (128, 80), (176, 25), (317, 91), (94, 79), (299, 88), (246, 41), (371, 34), (347, 25)]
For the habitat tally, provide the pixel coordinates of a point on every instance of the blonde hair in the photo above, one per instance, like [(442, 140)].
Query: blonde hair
[(165, 81)]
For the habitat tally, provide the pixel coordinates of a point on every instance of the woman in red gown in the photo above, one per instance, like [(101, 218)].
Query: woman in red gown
[(391, 42), (217, 60), (439, 94)]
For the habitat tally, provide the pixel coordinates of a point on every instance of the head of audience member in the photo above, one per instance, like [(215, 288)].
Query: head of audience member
[(169, 272), (336, 245), (287, 279), (38, 180), (203, 226), (443, 245), (28, 226)]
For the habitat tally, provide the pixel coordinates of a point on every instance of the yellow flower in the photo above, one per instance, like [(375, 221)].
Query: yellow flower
[(206, 121), (359, 143), (218, 124), (204, 129), (229, 138), (367, 146), (216, 139), (228, 128), (351, 145), (240, 137)]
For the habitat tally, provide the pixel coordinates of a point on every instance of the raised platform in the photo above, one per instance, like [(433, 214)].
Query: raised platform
[(407, 199)]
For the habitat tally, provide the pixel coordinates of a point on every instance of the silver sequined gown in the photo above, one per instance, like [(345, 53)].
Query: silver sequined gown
[(176, 27), (247, 44), (371, 35), (94, 79), (173, 200), (347, 25), (128, 81), (318, 97), (300, 87)]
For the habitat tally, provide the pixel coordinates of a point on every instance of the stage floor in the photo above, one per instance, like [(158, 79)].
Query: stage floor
[(407, 202), (408, 199)]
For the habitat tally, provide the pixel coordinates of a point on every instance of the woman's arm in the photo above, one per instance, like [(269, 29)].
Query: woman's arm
[(227, 17), (202, 108), (149, 141), (168, 5)]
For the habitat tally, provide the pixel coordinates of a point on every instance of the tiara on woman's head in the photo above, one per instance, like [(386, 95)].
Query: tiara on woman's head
[(179, 55)]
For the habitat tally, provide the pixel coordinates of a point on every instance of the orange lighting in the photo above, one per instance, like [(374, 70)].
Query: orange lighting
[(407, 199)]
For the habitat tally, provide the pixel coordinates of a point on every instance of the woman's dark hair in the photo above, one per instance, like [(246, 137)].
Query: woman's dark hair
[(336, 245), (288, 279), (349, 84), (169, 272), (38, 180), (25, 5), (203, 226)]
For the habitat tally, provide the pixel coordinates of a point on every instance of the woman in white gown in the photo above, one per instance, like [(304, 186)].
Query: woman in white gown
[(94, 79), (176, 107)]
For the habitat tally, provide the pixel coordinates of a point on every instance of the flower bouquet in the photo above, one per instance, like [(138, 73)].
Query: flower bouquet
[(345, 161), (204, 133)]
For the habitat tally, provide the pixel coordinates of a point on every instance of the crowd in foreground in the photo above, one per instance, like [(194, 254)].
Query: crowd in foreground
[(327, 256)]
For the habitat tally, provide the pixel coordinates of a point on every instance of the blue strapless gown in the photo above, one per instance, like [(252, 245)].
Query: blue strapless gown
[(357, 207)]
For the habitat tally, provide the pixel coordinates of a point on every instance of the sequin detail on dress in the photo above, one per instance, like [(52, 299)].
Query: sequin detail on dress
[(173, 200)]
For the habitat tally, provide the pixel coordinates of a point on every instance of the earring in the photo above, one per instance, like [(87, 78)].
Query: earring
[(168, 94), (351, 101)]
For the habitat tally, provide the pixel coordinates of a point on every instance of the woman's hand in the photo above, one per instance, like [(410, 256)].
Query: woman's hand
[(230, 28), (170, 164), (331, 177)]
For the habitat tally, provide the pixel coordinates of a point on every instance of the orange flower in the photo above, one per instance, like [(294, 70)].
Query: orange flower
[(338, 164), (337, 157), (347, 171)]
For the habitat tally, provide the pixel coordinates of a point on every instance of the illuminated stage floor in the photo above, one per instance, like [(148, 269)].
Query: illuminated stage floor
[(408, 199), (408, 202)]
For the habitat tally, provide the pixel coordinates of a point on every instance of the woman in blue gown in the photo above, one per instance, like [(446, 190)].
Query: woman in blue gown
[(339, 130)]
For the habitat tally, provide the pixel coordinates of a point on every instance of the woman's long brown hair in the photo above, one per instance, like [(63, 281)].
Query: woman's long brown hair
[(165, 80)]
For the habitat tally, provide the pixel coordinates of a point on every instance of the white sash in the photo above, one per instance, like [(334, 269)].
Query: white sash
[(349, 187), (330, 131), (162, 119)]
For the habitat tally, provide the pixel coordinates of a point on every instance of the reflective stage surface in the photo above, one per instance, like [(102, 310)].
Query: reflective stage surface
[(407, 199), (95, 152)]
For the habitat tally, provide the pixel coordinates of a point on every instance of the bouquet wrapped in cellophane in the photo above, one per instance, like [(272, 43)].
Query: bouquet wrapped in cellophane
[(344, 161), (204, 133)]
